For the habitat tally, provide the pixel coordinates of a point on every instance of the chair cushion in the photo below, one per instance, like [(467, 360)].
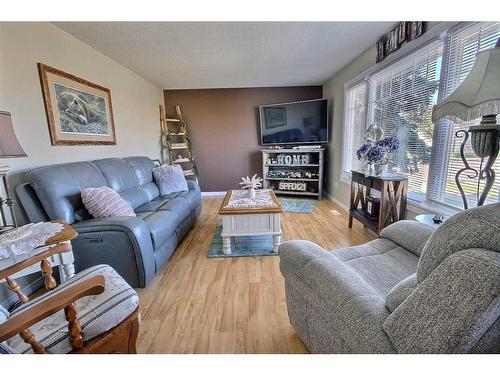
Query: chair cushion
[(382, 263), (97, 314), (170, 179), (105, 202)]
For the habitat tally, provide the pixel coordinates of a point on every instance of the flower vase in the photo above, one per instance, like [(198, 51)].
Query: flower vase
[(381, 169), (370, 170), (251, 193)]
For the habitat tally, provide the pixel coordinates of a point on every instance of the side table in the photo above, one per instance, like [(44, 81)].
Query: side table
[(63, 260), (427, 219), (393, 189)]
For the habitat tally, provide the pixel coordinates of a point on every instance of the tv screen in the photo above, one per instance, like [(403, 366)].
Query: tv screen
[(298, 122)]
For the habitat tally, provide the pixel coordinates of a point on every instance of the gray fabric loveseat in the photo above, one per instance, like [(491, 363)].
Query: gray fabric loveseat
[(136, 247), (414, 290)]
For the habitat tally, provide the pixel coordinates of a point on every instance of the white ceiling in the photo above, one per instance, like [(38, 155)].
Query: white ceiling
[(181, 55)]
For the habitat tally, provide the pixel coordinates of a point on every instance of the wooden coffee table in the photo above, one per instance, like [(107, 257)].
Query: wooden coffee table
[(250, 221)]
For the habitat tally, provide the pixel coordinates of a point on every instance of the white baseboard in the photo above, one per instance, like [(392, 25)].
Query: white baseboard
[(336, 201), (213, 193)]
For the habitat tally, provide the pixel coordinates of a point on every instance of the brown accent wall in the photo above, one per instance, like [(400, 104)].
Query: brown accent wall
[(224, 128)]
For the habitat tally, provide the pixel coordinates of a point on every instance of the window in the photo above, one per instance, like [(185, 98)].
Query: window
[(462, 46), (401, 101), (355, 120), (400, 98)]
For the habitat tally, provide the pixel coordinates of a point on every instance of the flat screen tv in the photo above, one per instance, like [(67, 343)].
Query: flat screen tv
[(294, 123)]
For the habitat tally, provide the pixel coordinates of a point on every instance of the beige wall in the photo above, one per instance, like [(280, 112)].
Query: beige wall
[(135, 100), (334, 90)]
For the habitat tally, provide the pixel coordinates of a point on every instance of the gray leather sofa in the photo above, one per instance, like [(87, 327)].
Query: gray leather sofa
[(414, 290), (136, 247)]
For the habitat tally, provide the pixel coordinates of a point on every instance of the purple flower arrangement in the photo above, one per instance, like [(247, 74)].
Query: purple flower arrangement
[(378, 152)]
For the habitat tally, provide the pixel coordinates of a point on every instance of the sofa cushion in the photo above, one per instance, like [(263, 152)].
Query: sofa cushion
[(381, 263), (179, 205), (170, 179), (400, 292), (193, 196), (473, 228), (105, 202), (161, 224), (96, 314), (143, 168), (58, 187), (122, 178), (152, 206)]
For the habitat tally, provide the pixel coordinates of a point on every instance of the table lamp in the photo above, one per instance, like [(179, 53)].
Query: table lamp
[(9, 148), (477, 96)]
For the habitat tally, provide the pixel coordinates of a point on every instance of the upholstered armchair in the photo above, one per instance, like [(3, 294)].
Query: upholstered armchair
[(95, 311), (413, 290)]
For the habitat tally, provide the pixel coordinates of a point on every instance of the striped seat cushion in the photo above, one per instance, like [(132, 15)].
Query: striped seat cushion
[(97, 314), (4, 348)]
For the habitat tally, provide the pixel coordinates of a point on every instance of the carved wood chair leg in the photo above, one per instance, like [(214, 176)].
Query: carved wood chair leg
[(29, 338), (74, 327), (14, 286), (50, 282)]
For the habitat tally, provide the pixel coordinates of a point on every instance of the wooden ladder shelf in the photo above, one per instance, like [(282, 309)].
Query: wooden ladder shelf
[(176, 143)]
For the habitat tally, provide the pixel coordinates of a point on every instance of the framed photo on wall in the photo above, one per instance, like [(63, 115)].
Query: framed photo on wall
[(275, 117), (414, 29), (79, 112)]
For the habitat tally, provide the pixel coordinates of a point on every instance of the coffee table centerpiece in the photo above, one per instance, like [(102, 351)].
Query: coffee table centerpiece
[(245, 216)]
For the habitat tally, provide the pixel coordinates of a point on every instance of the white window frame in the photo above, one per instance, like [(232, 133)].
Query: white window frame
[(347, 131)]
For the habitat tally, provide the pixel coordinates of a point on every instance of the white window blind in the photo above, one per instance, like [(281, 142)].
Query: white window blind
[(401, 98), (460, 51), (354, 124)]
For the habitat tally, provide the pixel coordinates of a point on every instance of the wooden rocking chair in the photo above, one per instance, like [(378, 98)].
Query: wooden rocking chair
[(99, 309)]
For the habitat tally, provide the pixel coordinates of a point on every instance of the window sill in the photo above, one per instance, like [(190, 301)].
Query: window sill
[(431, 207)]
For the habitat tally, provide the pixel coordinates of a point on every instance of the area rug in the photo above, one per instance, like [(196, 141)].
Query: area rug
[(298, 205), (254, 246)]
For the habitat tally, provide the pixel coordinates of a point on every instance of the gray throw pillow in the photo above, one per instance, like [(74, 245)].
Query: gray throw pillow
[(170, 179), (105, 202)]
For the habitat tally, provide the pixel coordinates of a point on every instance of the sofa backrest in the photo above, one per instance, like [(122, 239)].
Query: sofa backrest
[(454, 305), (58, 187), (477, 227)]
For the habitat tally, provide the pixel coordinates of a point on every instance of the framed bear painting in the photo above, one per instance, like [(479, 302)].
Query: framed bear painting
[(79, 112)]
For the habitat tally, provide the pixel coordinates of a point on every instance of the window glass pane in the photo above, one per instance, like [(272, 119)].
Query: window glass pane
[(354, 124), (462, 46), (401, 101)]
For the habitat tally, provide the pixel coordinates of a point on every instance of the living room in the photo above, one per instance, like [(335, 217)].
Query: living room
[(264, 187)]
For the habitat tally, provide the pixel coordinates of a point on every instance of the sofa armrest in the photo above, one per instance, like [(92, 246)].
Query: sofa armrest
[(410, 234), (193, 185), (330, 290), (122, 242), (322, 271)]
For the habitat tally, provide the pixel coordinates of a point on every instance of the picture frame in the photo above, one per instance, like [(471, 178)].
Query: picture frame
[(275, 117), (414, 29), (392, 41), (79, 112), (380, 51), (401, 32)]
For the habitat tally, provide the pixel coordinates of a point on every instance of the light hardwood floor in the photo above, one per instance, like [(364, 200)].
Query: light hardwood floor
[(237, 305)]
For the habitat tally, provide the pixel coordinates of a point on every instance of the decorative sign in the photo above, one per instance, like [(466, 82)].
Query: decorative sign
[(296, 159), (295, 186), (390, 42)]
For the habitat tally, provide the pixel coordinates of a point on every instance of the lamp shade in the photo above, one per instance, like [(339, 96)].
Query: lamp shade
[(9, 145), (479, 93)]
